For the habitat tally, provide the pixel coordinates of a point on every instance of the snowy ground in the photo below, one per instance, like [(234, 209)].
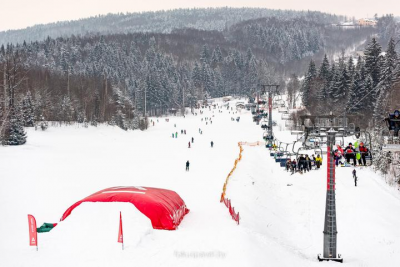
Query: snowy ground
[(280, 225)]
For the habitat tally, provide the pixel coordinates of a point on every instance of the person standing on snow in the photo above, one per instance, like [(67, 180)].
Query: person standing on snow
[(301, 163), (288, 164), (318, 161), (187, 165), (312, 162), (192, 140), (189, 145), (212, 144), (294, 165), (307, 164), (355, 177)]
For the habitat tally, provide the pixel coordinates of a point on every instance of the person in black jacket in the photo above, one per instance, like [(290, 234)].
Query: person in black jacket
[(301, 162), (293, 167), (187, 165), (349, 153), (308, 163), (355, 177)]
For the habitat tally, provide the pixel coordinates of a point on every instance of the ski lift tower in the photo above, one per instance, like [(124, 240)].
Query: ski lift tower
[(329, 127), (271, 89), (330, 227)]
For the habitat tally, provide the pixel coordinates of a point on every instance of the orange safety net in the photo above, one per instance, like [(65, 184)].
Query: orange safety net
[(258, 143), (227, 202)]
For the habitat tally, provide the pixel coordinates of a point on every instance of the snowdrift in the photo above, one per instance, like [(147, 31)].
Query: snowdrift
[(165, 208)]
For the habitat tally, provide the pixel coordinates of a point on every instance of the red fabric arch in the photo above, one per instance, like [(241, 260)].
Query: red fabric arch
[(165, 208)]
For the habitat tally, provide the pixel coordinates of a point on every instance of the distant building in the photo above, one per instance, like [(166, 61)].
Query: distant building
[(240, 105), (367, 22)]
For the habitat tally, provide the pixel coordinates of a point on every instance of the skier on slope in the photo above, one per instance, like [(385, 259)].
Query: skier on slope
[(189, 145), (187, 165), (192, 140), (355, 177), (212, 144)]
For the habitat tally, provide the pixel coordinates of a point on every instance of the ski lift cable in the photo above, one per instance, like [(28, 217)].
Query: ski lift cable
[(373, 90)]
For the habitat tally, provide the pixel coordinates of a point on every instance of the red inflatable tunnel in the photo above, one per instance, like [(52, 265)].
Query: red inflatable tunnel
[(165, 208)]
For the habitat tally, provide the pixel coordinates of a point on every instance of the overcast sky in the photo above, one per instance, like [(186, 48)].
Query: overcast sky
[(23, 13)]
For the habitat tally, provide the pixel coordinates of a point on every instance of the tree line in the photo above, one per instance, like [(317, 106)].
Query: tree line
[(121, 79)]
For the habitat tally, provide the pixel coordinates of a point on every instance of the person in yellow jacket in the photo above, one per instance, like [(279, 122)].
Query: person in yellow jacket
[(274, 147), (318, 161)]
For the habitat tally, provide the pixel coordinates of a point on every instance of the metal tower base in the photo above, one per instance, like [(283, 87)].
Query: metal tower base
[(339, 259)]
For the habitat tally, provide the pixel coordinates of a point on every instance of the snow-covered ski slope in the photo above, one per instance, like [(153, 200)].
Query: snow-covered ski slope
[(281, 215)]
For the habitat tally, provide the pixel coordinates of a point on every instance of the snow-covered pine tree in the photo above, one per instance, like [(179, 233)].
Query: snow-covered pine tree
[(293, 86), (373, 60), (324, 71), (205, 55), (342, 85), (28, 110), (216, 57), (351, 69), (384, 87), (66, 109), (324, 76), (119, 116), (14, 132), (331, 82), (196, 75), (307, 83), (357, 89), (368, 106)]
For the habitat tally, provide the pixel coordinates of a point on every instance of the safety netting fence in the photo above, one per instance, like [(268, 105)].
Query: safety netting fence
[(235, 216)]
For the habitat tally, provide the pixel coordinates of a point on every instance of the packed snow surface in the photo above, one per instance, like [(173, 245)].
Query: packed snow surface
[(282, 215)]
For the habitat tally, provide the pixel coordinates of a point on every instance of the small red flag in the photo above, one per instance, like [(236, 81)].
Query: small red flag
[(32, 231), (120, 233)]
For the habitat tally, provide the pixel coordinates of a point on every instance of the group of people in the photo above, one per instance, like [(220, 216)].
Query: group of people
[(353, 153), (304, 163)]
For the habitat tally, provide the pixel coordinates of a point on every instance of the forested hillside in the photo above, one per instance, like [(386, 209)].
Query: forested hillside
[(120, 78), (208, 19)]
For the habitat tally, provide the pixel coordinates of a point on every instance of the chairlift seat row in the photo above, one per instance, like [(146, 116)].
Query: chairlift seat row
[(391, 147), (281, 160)]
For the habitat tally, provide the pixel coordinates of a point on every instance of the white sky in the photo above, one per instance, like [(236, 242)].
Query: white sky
[(24, 13)]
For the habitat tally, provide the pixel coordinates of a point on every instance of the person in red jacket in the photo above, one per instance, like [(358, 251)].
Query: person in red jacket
[(349, 153), (364, 152)]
